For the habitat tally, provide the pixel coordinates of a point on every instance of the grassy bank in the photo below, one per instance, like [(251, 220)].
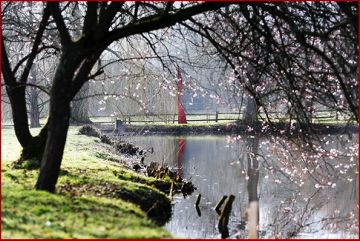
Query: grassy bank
[(97, 197)]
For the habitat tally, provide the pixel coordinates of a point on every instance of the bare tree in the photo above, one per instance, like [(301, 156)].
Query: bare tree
[(33, 100), (17, 32)]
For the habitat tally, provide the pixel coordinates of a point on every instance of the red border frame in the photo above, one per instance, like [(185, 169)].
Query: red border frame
[(208, 1)]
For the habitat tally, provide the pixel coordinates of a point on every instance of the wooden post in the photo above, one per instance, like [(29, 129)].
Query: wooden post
[(119, 125), (216, 116)]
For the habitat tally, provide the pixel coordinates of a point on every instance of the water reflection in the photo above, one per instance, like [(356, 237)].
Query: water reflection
[(300, 192), (252, 212), (180, 153)]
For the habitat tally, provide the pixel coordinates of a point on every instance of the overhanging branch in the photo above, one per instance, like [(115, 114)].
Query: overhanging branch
[(159, 21)]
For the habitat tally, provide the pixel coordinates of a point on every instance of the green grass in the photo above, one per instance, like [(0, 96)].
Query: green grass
[(37, 214), (96, 196)]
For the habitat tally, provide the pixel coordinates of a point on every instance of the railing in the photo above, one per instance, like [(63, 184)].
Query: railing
[(173, 118)]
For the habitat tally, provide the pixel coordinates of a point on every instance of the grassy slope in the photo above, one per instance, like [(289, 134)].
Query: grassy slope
[(88, 204)]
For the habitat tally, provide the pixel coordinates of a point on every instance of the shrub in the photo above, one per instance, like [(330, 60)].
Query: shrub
[(89, 130), (105, 139)]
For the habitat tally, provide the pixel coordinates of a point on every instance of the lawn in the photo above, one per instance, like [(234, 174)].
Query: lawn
[(97, 196)]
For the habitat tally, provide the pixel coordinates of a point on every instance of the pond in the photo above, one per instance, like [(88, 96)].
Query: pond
[(303, 190)]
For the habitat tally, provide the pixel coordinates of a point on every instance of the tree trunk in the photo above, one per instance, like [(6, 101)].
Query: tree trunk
[(59, 117), (19, 112), (250, 110), (56, 137), (34, 109), (80, 107), (251, 106), (54, 148), (34, 105), (34, 149)]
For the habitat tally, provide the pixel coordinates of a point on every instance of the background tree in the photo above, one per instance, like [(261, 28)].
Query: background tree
[(307, 54)]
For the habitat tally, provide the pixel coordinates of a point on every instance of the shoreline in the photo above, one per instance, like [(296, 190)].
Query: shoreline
[(258, 128)]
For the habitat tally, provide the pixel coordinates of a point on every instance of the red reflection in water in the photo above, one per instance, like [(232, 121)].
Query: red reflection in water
[(181, 152)]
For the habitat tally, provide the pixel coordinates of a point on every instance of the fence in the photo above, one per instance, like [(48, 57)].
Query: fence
[(173, 118)]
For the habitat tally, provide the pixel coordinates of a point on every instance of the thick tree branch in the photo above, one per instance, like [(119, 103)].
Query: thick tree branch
[(42, 88), (159, 21), (353, 16), (168, 7), (83, 74), (65, 37), (136, 11), (90, 21), (106, 18), (8, 74)]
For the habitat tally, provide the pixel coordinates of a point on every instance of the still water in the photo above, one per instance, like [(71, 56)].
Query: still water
[(301, 191)]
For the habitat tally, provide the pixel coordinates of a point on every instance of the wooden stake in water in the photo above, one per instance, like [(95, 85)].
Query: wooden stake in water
[(198, 211), (219, 204), (197, 205), (224, 217), (171, 189), (198, 200)]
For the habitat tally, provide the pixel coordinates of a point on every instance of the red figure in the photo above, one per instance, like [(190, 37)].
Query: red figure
[(181, 111)]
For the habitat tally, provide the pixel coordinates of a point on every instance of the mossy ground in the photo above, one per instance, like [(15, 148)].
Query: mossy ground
[(97, 197)]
